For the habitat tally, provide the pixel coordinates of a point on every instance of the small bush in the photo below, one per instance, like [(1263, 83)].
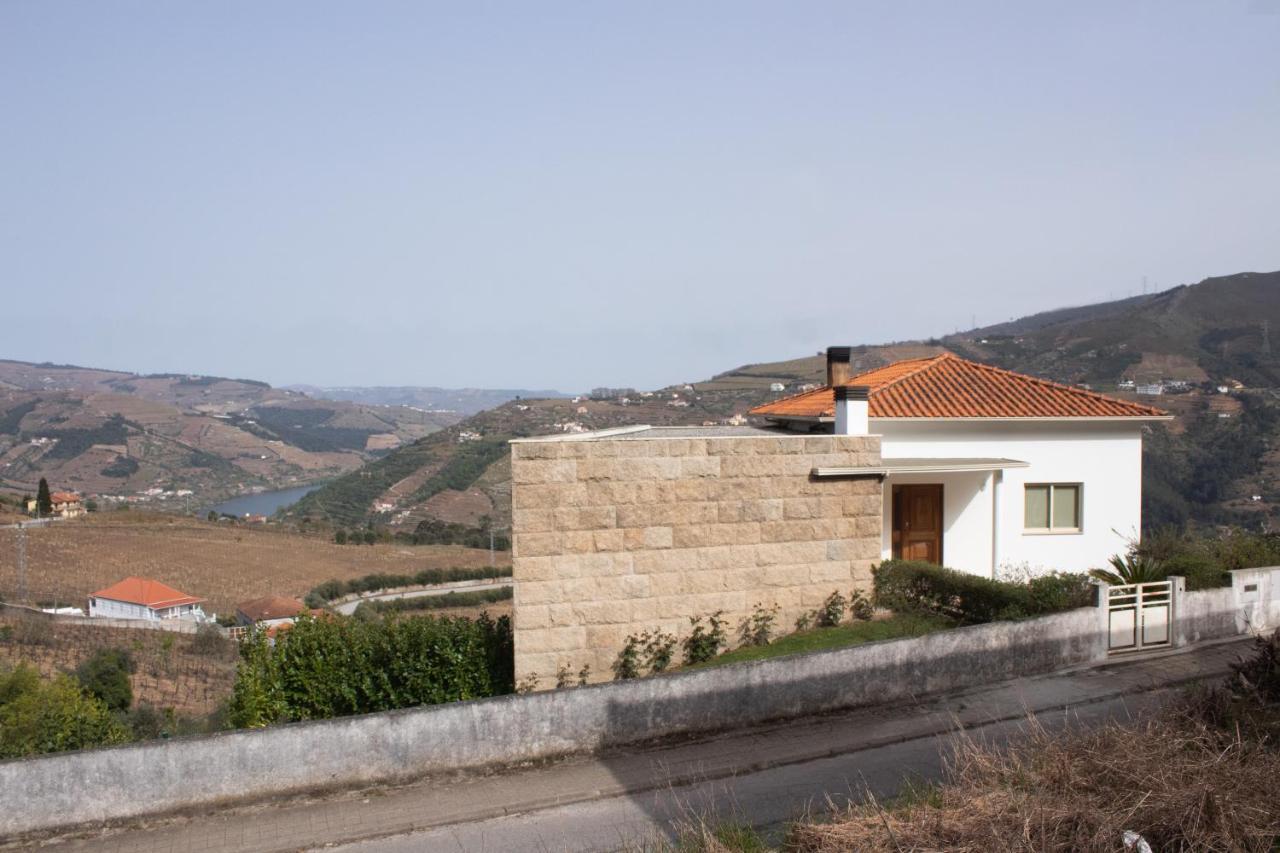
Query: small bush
[(831, 613), (908, 586), (757, 629), (1200, 570), (658, 649), (860, 607), (704, 642), (209, 641), (627, 664), (1059, 591), (105, 676)]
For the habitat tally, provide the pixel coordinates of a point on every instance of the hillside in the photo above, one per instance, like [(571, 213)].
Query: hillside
[(1206, 467), (1216, 330), (123, 435), (464, 401)]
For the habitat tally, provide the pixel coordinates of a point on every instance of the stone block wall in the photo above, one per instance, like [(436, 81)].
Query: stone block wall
[(618, 535)]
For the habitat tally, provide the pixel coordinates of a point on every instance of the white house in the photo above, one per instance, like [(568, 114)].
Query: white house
[(985, 470), (143, 598)]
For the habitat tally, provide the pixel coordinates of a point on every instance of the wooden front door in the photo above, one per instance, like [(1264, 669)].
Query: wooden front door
[(917, 522)]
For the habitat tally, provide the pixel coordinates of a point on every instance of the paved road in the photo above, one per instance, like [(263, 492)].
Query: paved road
[(766, 774), (349, 607)]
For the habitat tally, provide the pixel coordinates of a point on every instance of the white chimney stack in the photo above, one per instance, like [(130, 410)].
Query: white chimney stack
[(852, 410)]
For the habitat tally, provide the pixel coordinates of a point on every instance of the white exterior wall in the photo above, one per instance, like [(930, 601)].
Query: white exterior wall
[(108, 608), (1104, 456)]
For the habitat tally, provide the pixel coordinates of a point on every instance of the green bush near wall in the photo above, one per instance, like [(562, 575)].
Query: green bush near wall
[(906, 586), (334, 667), (322, 594)]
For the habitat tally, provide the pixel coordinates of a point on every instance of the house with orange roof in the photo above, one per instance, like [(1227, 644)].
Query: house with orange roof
[(985, 470), (144, 598)]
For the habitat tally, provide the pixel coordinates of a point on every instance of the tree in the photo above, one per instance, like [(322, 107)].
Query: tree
[(340, 537), (370, 537), (44, 501), (50, 716), (212, 516), (105, 676), (91, 505)]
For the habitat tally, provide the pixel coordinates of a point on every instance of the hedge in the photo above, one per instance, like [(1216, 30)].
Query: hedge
[(322, 594), (908, 586), (462, 598), (333, 667)]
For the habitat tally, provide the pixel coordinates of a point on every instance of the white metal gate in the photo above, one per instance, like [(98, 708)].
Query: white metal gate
[(1139, 616)]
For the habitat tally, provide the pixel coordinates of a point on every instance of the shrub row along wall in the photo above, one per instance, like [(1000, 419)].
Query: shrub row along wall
[(624, 534), (129, 781)]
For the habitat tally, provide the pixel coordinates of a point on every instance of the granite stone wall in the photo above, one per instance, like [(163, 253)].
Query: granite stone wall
[(618, 535)]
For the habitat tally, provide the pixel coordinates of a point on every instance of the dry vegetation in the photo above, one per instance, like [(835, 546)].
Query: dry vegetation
[(192, 675), (1179, 783), (223, 563)]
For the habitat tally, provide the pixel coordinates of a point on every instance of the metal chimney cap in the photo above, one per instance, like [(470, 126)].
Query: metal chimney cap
[(842, 354), (852, 392)]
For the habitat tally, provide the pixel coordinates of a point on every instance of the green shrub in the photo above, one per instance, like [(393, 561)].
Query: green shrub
[(704, 642), (333, 667), (860, 607), (105, 676), (831, 613), (462, 598), (757, 629), (1133, 567), (627, 664), (658, 649), (1200, 571), (322, 594), (51, 716), (1060, 591), (908, 586)]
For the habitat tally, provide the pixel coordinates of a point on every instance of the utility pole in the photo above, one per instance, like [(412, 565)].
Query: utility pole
[(22, 563)]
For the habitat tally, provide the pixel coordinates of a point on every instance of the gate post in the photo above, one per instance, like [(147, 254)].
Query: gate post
[(1102, 605), (1177, 589)]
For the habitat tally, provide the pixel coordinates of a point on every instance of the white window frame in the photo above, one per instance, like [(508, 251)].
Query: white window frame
[(1051, 530)]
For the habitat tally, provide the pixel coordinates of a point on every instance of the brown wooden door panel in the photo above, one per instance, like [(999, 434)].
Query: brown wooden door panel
[(917, 522)]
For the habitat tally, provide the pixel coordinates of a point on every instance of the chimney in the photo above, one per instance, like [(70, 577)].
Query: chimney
[(838, 371), (851, 409)]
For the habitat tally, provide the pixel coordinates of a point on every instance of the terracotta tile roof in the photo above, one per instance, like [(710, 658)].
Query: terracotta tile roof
[(64, 498), (271, 607), (146, 592), (947, 386)]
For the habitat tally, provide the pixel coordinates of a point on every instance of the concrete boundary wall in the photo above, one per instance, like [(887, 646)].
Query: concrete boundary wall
[(60, 791)]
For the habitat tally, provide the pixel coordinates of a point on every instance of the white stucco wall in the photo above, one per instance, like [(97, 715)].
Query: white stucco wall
[(110, 609), (1104, 456)]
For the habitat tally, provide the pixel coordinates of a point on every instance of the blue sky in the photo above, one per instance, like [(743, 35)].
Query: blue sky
[(577, 194)]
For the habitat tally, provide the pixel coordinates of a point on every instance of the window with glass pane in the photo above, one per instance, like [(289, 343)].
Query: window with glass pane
[(1052, 507), (1066, 507), (1037, 508)]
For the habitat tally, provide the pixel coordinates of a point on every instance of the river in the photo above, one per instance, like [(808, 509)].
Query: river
[(263, 503)]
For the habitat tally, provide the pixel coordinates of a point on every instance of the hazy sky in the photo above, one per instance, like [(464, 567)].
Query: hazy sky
[(564, 195)]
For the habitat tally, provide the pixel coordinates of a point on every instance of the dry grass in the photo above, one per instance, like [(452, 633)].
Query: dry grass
[(1178, 781), (222, 563), (173, 670)]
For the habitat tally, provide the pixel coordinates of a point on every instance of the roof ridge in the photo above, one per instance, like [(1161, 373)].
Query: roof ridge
[(925, 363), (1081, 392)]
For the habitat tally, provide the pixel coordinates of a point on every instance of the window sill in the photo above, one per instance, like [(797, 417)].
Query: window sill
[(1075, 531)]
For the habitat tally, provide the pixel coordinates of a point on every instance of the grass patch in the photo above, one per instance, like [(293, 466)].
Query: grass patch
[(819, 639)]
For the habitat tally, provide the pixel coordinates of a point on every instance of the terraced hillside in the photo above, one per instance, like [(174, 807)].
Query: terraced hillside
[(117, 434)]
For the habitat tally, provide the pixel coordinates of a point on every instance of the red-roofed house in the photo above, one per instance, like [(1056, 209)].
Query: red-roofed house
[(143, 598), (986, 470)]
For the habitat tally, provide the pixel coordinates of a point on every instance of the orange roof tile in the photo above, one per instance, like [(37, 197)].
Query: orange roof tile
[(64, 498), (146, 592), (947, 386), (271, 607)]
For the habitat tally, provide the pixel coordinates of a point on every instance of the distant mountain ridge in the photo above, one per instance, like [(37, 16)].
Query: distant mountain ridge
[(466, 401), (148, 437), (1202, 334)]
